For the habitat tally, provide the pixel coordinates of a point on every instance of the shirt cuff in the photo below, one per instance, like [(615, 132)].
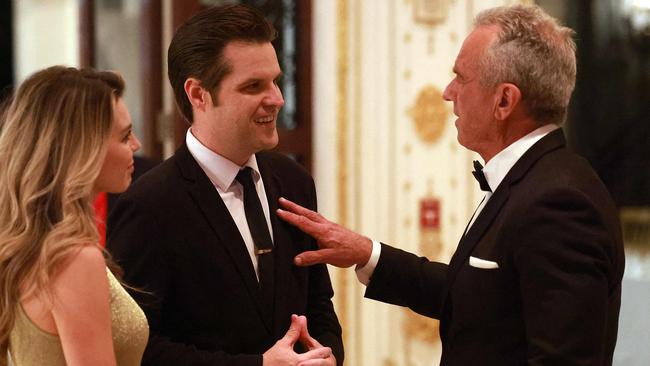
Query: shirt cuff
[(364, 273)]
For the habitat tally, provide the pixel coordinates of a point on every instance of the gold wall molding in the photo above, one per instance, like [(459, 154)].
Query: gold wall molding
[(431, 12), (357, 119), (429, 114), (342, 75), (357, 58)]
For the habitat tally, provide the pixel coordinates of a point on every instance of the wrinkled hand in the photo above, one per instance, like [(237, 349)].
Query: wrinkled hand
[(282, 353), (338, 246)]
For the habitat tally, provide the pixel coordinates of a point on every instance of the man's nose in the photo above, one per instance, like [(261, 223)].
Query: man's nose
[(275, 97), (447, 94)]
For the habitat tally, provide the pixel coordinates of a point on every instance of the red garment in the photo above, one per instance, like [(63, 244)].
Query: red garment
[(101, 208)]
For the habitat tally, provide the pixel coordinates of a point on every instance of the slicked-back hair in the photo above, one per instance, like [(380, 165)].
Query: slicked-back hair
[(196, 49), (533, 52)]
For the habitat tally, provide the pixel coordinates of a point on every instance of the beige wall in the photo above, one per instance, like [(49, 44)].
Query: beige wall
[(46, 34)]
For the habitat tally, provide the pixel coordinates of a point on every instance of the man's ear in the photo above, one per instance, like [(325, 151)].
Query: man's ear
[(508, 98), (196, 94)]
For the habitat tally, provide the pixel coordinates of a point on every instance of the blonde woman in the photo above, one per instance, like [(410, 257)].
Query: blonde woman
[(66, 136)]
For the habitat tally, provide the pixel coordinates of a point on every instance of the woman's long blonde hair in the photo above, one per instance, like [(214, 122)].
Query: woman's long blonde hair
[(52, 145)]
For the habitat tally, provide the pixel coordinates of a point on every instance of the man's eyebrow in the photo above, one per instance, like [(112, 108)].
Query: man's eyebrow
[(255, 78)]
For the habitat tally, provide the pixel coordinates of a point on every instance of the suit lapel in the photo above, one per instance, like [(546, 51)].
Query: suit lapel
[(548, 143), (206, 197), (476, 231), (282, 250)]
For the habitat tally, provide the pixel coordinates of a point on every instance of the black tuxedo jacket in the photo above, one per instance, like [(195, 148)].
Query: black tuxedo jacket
[(554, 299), (178, 244)]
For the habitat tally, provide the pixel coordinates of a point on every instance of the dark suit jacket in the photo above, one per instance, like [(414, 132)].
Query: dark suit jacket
[(554, 300), (175, 240)]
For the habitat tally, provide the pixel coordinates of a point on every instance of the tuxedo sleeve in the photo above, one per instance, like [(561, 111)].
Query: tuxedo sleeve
[(404, 279), (137, 241), (564, 263)]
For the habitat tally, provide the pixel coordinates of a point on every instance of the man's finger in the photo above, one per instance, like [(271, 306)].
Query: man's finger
[(306, 339), (319, 362), (315, 354), (308, 258), (299, 210), (310, 342), (301, 222), (294, 331), (312, 257)]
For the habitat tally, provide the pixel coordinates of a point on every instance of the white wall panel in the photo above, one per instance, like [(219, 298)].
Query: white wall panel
[(46, 34)]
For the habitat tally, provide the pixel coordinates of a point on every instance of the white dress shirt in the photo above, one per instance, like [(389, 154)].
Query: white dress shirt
[(495, 170), (222, 173)]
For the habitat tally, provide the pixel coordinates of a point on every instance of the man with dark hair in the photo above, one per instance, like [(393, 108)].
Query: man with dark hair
[(195, 234), (536, 277)]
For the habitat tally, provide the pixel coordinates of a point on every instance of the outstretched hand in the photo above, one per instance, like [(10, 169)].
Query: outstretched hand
[(338, 246), (282, 352)]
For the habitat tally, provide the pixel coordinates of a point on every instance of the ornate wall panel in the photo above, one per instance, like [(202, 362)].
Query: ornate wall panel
[(387, 162)]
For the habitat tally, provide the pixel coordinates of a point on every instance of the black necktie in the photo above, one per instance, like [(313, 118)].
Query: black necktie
[(480, 177), (261, 236)]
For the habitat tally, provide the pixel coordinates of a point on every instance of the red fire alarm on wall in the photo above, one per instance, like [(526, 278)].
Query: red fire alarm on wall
[(430, 213)]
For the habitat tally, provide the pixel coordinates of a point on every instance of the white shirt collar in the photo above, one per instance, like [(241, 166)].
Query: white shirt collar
[(498, 167), (221, 171)]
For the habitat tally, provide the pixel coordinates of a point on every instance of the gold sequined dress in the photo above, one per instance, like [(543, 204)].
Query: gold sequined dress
[(32, 346)]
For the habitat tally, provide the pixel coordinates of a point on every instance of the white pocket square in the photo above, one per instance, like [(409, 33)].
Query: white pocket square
[(482, 263)]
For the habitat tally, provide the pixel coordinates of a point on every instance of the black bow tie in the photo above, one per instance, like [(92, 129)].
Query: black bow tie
[(480, 177)]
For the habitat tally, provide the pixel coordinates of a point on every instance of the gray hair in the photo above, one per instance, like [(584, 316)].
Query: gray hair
[(533, 52)]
